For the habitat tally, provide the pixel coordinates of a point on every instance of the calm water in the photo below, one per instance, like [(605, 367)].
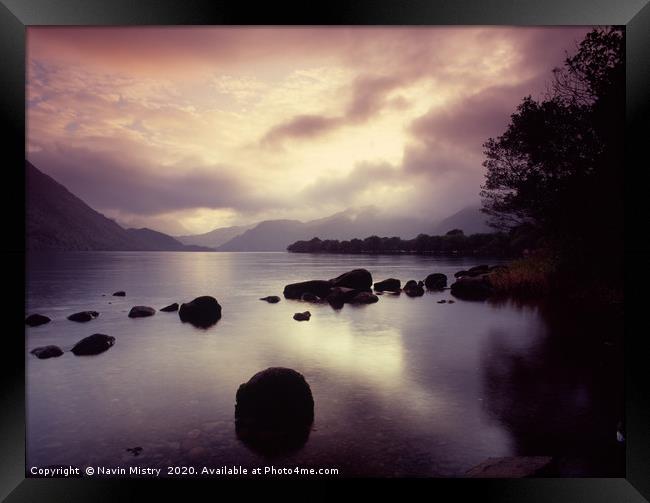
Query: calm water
[(404, 387)]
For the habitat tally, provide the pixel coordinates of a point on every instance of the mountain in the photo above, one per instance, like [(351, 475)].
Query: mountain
[(470, 220), (216, 237), (276, 235), (56, 219)]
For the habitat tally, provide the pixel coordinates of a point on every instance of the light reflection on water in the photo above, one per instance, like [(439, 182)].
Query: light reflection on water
[(404, 387)]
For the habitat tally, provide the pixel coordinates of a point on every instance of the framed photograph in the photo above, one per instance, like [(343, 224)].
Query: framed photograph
[(371, 242)]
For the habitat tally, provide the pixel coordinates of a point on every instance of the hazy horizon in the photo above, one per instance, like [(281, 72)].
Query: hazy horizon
[(186, 129)]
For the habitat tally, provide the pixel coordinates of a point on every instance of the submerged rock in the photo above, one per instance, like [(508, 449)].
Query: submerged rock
[(388, 285), (436, 281), (47, 352), (274, 409), (34, 320), (302, 316), (443, 301), (271, 299), (170, 308), (310, 297), (93, 344), (141, 312), (316, 287), (120, 293), (364, 298), (201, 312), (83, 316), (359, 279), (412, 289)]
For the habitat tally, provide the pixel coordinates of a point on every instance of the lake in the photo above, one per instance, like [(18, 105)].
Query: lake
[(405, 387)]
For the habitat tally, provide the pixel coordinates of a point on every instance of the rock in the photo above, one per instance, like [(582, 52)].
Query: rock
[(451, 301), (271, 299), (201, 312), (412, 289), (34, 320), (388, 285), (479, 269), (443, 301), (359, 279), (498, 268), (310, 297), (121, 293), (364, 298), (436, 281), (83, 316), (276, 404), (141, 311), (341, 294), (472, 288), (421, 284), (47, 352), (302, 316), (93, 344), (513, 467), (317, 287), (170, 308), (460, 274)]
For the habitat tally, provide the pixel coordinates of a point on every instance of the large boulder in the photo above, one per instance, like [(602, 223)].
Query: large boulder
[(472, 287), (364, 298), (271, 299), (359, 279), (436, 281), (83, 316), (34, 320), (141, 312), (316, 287), (413, 289), (388, 285), (201, 312), (310, 297), (275, 405), (93, 344), (47, 352), (170, 308)]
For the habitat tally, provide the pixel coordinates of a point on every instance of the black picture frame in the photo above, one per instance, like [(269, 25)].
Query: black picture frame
[(16, 15)]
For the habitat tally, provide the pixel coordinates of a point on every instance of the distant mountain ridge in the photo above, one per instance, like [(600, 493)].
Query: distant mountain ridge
[(56, 219), (276, 235)]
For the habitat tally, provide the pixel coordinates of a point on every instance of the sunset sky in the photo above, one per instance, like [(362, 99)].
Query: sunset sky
[(187, 129)]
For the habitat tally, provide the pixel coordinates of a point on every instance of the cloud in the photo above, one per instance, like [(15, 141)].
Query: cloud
[(109, 180)]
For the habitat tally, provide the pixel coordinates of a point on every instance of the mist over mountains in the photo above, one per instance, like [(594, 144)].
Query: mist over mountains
[(59, 220)]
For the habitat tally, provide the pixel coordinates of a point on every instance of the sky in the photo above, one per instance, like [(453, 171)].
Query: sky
[(187, 129)]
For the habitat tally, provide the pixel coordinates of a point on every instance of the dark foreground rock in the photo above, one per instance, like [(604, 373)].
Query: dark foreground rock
[(141, 312), (271, 299), (316, 287), (274, 410), (121, 293), (472, 288), (412, 289), (302, 316), (93, 344), (83, 316), (364, 298), (436, 281), (310, 297), (47, 352), (359, 279), (201, 312), (34, 320), (388, 285), (513, 467), (170, 308)]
